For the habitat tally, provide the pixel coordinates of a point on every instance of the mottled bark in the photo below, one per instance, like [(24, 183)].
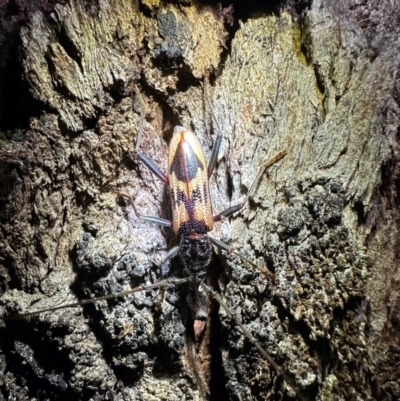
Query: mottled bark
[(318, 79)]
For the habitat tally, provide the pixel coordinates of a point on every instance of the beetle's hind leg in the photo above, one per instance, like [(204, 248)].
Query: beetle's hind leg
[(148, 162), (153, 168), (214, 154)]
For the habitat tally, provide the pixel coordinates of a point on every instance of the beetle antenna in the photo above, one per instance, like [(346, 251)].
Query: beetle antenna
[(278, 369), (163, 283)]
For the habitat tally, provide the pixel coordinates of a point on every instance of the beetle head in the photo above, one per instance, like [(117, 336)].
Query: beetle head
[(196, 251)]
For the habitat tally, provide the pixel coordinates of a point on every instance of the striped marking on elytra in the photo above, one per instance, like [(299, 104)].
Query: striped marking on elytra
[(188, 180)]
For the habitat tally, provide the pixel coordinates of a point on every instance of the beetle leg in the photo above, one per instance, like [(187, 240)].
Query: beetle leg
[(151, 219), (217, 143), (228, 212), (153, 168), (214, 154), (155, 220), (142, 114), (170, 255), (150, 165), (162, 222), (233, 209), (227, 248)]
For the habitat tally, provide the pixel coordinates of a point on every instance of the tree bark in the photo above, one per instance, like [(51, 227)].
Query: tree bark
[(318, 79)]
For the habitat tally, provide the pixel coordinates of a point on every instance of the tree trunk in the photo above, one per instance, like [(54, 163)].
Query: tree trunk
[(318, 79)]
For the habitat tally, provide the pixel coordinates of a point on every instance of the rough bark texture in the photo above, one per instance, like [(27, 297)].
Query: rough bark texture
[(319, 79)]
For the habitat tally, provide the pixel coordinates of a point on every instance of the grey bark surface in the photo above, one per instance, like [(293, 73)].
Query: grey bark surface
[(319, 79)]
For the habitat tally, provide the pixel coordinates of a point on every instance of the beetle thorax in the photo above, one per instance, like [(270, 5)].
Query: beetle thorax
[(195, 251)]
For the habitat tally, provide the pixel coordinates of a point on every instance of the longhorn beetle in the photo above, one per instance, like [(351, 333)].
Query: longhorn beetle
[(192, 218)]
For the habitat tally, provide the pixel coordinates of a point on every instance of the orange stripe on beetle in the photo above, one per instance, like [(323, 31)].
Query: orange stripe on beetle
[(188, 180)]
